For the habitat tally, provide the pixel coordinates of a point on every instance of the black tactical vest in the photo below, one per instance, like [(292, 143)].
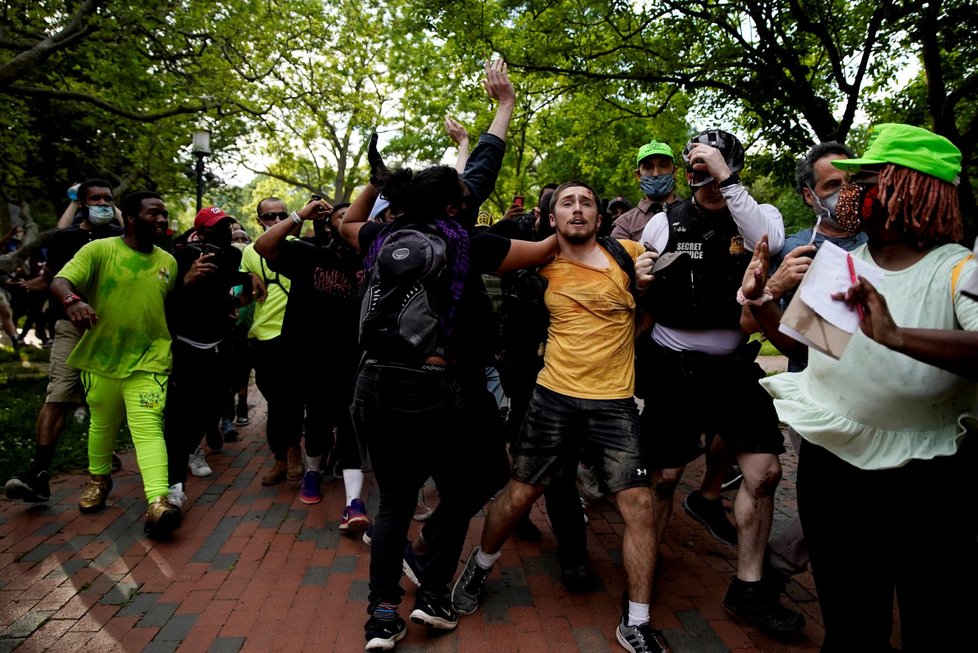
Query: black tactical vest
[(700, 292)]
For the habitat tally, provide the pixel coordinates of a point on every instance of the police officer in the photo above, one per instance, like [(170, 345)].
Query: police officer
[(705, 377)]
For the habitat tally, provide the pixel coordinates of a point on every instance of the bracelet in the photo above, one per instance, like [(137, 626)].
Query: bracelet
[(763, 299), (295, 217), (70, 298)]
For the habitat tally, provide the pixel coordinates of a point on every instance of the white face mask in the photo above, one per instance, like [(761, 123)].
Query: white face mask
[(101, 215), (825, 207)]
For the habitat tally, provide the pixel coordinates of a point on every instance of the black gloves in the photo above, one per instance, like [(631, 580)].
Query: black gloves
[(378, 171)]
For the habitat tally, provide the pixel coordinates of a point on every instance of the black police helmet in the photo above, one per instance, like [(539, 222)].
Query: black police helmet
[(728, 144)]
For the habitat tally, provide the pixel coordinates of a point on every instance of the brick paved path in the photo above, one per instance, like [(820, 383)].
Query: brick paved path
[(253, 569)]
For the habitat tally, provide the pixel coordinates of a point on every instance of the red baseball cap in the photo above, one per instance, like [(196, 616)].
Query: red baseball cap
[(209, 216)]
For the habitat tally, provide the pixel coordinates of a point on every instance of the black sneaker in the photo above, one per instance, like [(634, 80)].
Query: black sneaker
[(30, 486), (712, 515), (382, 633), (641, 639), (758, 602), (434, 611), (241, 414), (116, 464), (577, 578), (467, 591)]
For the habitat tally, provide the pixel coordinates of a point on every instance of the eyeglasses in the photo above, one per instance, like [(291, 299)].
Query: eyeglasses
[(268, 217)]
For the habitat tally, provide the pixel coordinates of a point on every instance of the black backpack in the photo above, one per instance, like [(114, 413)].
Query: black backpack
[(623, 259), (405, 295)]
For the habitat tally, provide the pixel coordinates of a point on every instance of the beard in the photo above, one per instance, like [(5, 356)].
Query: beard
[(579, 238)]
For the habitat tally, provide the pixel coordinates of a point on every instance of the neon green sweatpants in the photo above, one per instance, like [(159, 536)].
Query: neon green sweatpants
[(139, 398)]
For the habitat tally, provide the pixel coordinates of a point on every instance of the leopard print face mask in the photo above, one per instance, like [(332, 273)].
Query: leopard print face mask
[(857, 204)]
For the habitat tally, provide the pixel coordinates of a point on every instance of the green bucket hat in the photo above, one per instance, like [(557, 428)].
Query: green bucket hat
[(911, 147), (654, 147)]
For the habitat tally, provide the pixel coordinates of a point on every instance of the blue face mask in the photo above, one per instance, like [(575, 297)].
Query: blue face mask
[(100, 215), (657, 186)]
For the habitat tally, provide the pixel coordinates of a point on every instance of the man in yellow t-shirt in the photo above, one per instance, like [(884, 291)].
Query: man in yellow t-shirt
[(113, 291), (583, 401), (273, 364)]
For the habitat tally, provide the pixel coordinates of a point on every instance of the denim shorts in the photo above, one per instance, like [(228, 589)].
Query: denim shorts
[(558, 429)]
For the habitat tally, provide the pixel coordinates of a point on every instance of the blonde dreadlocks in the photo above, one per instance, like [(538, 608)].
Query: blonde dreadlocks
[(922, 205)]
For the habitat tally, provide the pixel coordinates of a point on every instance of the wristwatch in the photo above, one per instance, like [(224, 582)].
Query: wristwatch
[(296, 218), (734, 178), (70, 299)]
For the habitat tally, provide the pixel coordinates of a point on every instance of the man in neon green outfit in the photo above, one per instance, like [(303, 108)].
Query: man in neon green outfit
[(113, 290)]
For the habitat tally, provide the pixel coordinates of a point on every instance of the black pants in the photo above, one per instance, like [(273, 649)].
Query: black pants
[(327, 380), (911, 530), (415, 425), (275, 376), (194, 403)]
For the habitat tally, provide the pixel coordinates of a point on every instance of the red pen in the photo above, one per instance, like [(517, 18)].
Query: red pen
[(855, 280)]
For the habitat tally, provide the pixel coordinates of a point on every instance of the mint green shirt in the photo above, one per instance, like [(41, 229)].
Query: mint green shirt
[(875, 408), (126, 288)]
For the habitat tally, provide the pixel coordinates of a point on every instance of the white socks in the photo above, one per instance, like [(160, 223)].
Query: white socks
[(486, 560), (353, 482), (638, 614)]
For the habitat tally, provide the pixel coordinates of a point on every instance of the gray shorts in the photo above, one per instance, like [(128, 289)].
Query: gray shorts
[(64, 382)]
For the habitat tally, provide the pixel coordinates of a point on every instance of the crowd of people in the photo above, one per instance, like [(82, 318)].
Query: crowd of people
[(619, 336)]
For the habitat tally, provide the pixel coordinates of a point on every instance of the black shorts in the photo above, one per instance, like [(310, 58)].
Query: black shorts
[(558, 428), (691, 393)]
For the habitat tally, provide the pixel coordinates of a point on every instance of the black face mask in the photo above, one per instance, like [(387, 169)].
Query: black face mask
[(219, 237)]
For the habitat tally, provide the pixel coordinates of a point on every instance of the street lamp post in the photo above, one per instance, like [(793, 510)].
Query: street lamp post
[(201, 148)]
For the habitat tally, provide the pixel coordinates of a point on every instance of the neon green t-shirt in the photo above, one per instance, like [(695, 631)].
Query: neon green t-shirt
[(126, 288), (270, 313)]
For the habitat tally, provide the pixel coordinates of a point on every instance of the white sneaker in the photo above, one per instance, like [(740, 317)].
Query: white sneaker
[(199, 466), (177, 496)]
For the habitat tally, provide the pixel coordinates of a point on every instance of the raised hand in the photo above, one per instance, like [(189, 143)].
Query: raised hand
[(755, 276), (497, 83), (455, 131), (378, 171)]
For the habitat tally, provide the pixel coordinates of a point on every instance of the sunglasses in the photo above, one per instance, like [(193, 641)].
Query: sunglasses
[(268, 217)]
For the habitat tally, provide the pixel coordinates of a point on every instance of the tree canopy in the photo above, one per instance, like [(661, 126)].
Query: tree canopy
[(291, 89)]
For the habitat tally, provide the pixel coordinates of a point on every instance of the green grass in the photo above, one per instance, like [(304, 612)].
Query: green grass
[(23, 380)]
